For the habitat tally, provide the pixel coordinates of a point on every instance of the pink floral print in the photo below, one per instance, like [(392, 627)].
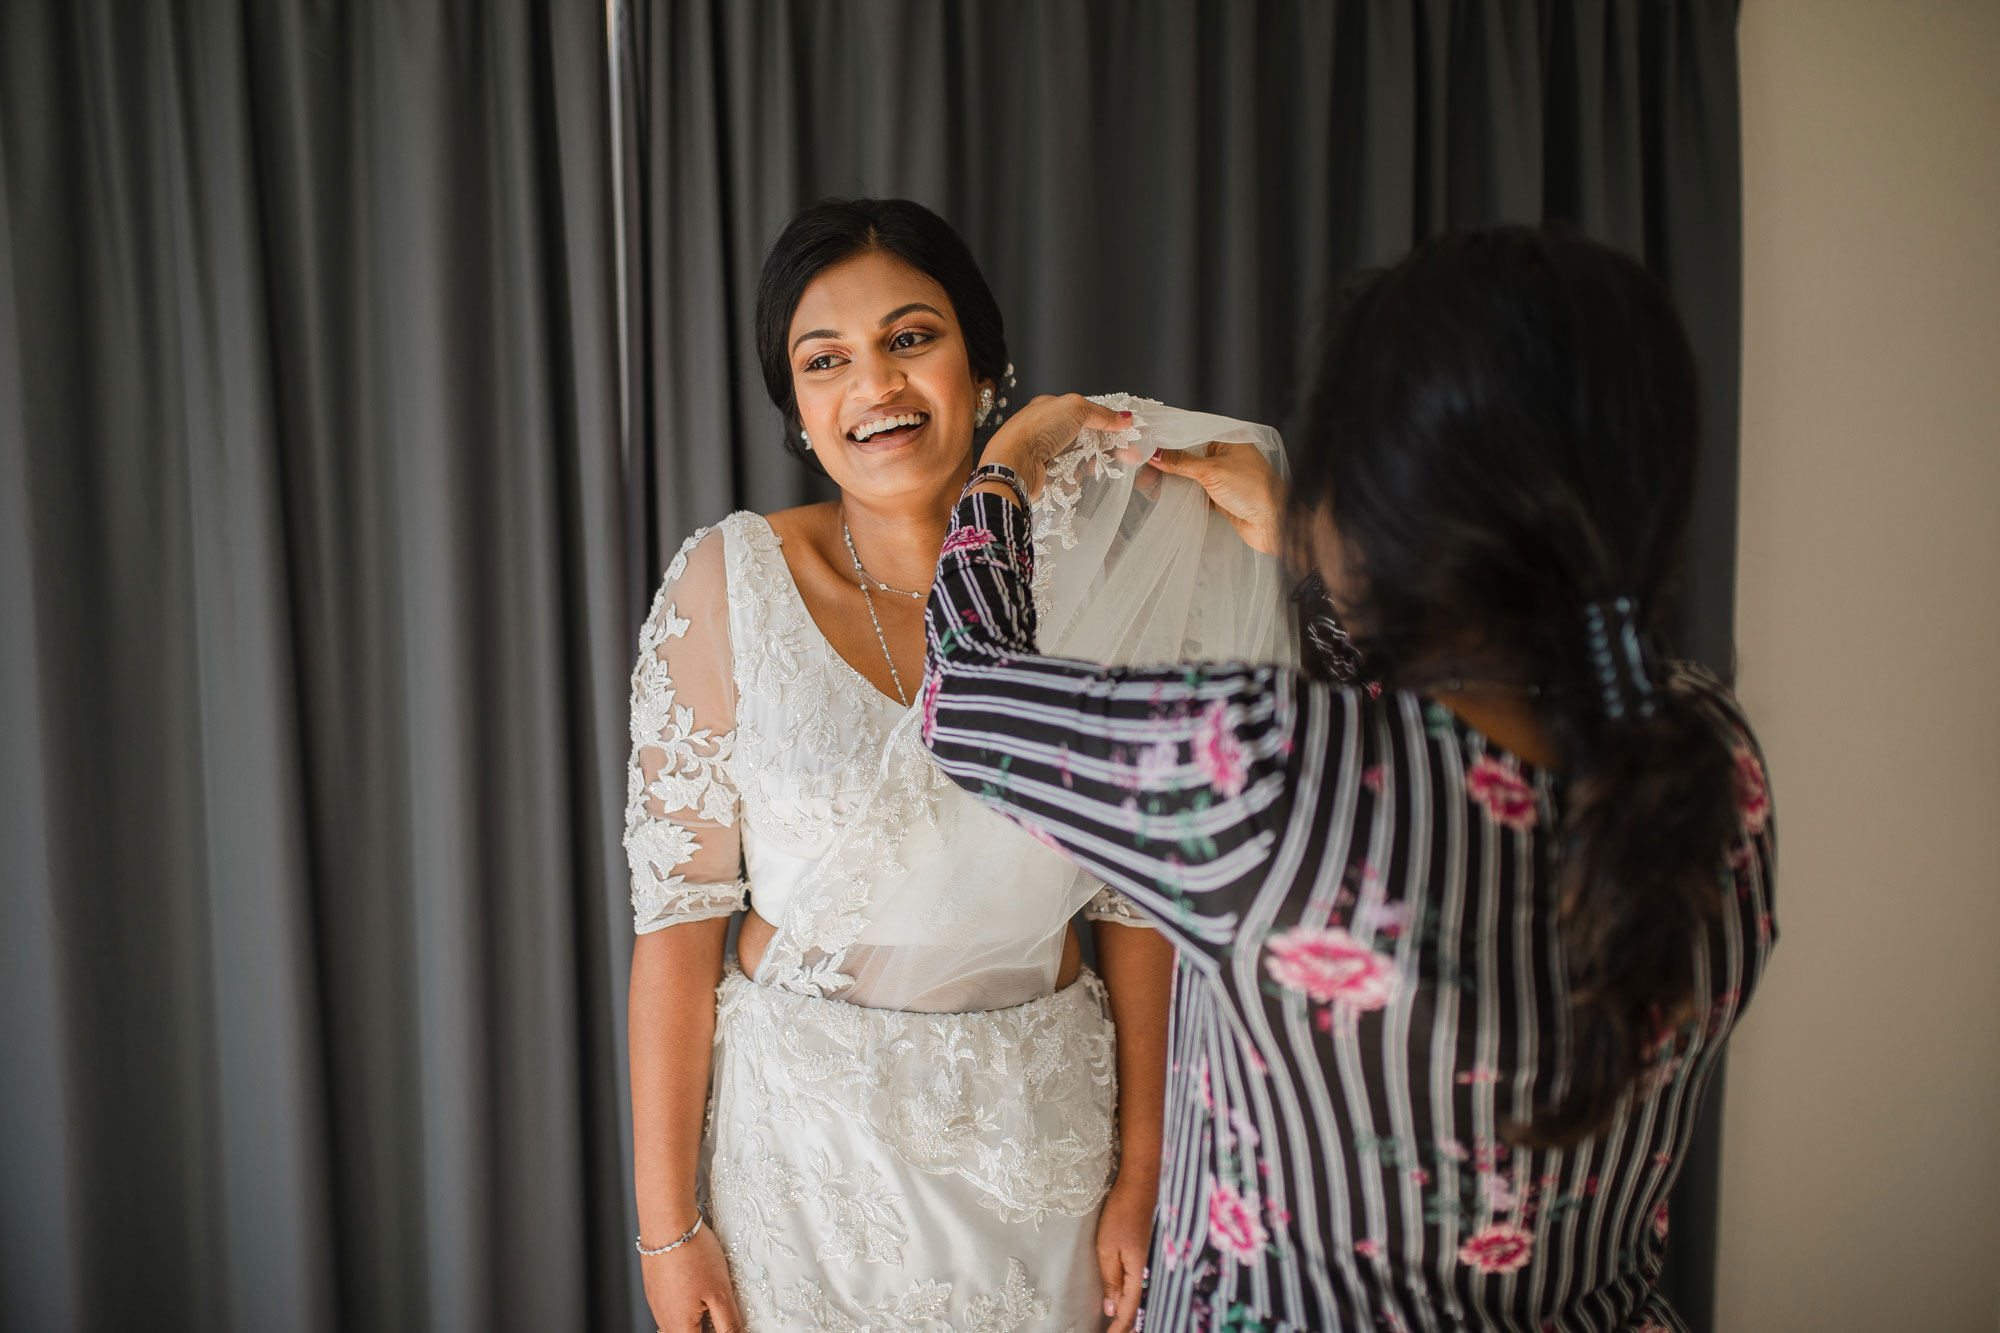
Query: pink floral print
[(1503, 791), (1400, 919), (933, 682), (1660, 1222), (1376, 917), (1331, 967), (1501, 1247), (1157, 765), (966, 539), (1218, 753), (1753, 794), (1233, 1224), (1043, 836)]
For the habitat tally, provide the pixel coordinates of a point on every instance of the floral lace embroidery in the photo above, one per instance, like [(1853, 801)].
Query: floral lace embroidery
[(787, 674), (1010, 1307), (1054, 517), (918, 1310), (925, 1307), (693, 777), (1018, 1101), (830, 907), (1111, 905), (750, 1186), (812, 777), (854, 1213)]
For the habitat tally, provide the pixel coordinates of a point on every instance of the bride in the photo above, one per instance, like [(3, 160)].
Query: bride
[(904, 1104)]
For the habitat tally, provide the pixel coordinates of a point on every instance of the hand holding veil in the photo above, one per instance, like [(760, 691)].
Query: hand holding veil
[(928, 901)]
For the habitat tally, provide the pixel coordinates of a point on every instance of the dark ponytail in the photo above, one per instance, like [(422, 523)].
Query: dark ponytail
[(1648, 822), (1503, 436)]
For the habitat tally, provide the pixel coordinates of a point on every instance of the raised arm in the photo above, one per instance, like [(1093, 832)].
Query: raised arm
[(1168, 783), (682, 841)]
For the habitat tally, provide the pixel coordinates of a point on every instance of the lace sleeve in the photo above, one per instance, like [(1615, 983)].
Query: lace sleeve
[(681, 834)]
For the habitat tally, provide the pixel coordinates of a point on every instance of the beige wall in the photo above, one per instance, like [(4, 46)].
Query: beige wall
[(1861, 1142)]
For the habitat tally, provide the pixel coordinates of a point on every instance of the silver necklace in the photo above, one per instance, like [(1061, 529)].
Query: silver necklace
[(866, 578)]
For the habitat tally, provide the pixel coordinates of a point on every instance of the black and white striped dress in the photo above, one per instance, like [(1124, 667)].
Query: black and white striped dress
[(1369, 987)]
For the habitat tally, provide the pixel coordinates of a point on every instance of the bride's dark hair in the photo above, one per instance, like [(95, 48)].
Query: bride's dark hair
[(1503, 433), (835, 230)]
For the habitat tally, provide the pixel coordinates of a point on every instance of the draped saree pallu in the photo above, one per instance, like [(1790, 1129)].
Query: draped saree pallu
[(910, 1127)]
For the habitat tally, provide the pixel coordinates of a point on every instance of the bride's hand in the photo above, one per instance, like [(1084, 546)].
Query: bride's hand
[(691, 1282), (1043, 429), (1239, 483), (1124, 1235)]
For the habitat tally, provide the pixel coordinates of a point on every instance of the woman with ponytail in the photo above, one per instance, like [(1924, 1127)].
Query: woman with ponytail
[(1460, 948)]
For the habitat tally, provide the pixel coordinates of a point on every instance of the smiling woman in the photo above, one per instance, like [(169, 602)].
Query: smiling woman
[(849, 278), (909, 1082)]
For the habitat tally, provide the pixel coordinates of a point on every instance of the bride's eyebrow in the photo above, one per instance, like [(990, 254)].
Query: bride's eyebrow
[(903, 310)]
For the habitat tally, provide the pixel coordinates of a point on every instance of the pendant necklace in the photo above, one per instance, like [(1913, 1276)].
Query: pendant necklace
[(866, 578)]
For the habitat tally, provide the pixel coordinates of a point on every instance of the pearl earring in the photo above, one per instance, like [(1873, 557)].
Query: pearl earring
[(807, 437), (985, 406)]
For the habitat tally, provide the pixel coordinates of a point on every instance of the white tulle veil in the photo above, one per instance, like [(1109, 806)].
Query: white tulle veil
[(927, 900)]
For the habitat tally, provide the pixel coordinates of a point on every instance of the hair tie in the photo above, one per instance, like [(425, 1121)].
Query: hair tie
[(1619, 658)]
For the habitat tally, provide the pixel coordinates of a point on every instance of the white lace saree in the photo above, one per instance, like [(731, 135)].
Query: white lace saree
[(909, 1126)]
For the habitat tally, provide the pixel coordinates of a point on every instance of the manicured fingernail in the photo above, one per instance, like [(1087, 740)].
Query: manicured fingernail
[(1111, 1307), (1126, 415)]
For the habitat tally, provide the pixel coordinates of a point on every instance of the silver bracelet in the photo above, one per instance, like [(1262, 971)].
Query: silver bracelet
[(1003, 474), (640, 1241)]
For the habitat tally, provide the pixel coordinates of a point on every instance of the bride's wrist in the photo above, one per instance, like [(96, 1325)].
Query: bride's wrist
[(1136, 1179), (669, 1219)]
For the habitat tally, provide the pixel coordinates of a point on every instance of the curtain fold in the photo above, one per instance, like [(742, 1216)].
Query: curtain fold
[(314, 669), (1162, 193)]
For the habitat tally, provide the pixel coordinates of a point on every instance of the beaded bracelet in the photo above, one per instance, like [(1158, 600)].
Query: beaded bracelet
[(639, 1242), (1003, 474)]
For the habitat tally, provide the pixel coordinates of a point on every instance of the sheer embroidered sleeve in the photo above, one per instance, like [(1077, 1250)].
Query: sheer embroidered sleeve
[(681, 831)]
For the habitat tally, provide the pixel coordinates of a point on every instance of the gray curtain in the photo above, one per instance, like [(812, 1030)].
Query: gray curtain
[(1161, 193), (313, 668), (321, 541)]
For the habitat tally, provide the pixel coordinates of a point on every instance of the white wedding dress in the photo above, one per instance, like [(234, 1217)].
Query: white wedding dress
[(909, 1128)]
